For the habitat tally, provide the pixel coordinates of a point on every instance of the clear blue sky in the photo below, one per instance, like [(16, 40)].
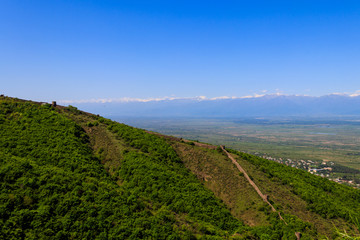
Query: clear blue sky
[(72, 49)]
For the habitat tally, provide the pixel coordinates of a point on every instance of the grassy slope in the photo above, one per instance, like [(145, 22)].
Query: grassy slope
[(219, 175), (289, 203), (330, 203)]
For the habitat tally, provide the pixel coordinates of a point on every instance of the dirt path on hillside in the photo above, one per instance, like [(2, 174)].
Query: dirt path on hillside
[(264, 197)]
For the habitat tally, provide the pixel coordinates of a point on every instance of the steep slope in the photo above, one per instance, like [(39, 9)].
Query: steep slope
[(323, 204), (272, 226), (52, 185)]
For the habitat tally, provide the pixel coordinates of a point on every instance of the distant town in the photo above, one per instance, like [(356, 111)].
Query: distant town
[(322, 169)]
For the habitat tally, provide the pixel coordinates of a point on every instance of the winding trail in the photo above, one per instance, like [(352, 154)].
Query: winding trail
[(264, 197)]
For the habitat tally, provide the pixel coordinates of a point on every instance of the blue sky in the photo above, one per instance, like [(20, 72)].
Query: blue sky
[(76, 50)]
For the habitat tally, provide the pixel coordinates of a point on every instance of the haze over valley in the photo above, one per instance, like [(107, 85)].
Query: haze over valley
[(274, 105)]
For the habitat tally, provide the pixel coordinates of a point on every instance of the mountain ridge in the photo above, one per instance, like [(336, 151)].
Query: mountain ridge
[(262, 106)]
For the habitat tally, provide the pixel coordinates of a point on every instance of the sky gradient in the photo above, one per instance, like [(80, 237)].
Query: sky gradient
[(75, 50)]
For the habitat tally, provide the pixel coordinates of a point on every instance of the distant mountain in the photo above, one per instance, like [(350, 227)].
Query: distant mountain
[(263, 106)]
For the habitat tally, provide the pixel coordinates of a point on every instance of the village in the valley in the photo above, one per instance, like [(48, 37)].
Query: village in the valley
[(323, 169)]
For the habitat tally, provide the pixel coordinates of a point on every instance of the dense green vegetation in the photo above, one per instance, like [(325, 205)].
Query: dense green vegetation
[(158, 174), (52, 186)]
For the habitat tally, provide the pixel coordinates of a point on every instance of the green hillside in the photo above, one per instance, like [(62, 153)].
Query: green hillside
[(324, 206), (66, 174)]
